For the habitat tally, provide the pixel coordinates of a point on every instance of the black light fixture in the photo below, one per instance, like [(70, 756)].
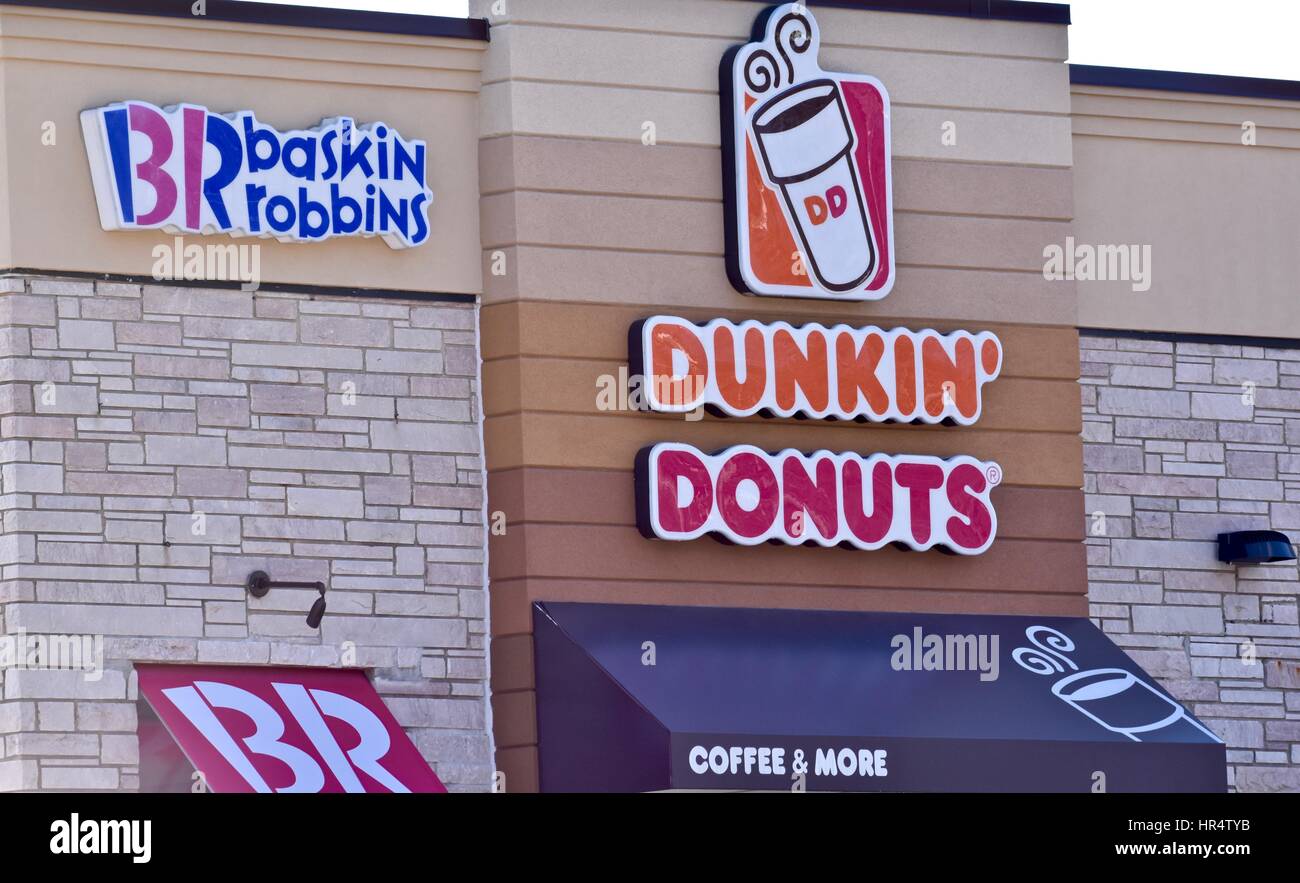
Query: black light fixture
[(260, 582), (317, 612), (1255, 547)]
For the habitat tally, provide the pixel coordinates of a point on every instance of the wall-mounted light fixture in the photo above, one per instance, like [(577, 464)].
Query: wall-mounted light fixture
[(260, 582), (1255, 547)]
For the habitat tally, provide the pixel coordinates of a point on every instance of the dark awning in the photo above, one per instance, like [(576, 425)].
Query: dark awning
[(641, 698)]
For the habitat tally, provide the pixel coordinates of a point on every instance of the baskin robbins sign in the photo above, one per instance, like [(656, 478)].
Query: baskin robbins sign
[(185, 169), (809, 214)]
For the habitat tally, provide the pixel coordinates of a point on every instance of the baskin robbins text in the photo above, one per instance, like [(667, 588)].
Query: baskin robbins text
[(185, 169)]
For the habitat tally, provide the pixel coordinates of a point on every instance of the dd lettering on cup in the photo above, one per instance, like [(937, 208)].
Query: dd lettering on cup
[(806, 144)]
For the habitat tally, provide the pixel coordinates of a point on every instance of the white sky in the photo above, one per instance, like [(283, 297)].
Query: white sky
[(1249, 38)]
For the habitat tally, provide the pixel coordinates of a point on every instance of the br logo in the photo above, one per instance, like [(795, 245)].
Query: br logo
[(806, 168)]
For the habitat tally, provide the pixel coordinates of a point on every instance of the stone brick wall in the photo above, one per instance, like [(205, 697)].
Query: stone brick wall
[(157, 444), (1182, 441)]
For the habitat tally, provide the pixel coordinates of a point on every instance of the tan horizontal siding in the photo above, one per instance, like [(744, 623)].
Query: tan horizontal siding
[(678, 282), (252, 73), (839, 26), (677, 226), (658, 61), (598, 112), (1168, 170), (1192, 107), (609, 168), (1227, 133), (265, 52)]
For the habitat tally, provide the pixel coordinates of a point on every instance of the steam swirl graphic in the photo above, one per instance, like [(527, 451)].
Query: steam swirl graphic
[(1045, 657), (791, 37), (796, 41), (761, 64)]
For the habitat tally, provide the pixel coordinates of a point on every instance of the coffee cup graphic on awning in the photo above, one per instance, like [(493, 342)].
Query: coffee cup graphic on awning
[(1115, 698), (807, 172)]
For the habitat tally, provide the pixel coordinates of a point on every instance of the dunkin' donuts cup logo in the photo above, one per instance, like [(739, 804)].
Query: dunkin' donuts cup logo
[(807, 172)]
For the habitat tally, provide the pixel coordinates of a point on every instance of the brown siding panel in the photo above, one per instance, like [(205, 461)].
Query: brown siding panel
[(615, 553), (511, 610), (611, 442), (586, 496)]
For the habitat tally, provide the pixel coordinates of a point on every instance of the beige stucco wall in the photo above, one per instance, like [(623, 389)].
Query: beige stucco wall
[(1169, 170), (54, 64)]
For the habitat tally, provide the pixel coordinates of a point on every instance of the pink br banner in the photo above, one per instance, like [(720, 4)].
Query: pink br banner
[(267, 729)]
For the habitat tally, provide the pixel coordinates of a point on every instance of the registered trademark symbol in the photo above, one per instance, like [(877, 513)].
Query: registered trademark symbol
[(994, 474)]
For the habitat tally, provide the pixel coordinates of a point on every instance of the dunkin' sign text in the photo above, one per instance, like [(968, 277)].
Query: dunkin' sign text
[(185, 169), (841, 372)]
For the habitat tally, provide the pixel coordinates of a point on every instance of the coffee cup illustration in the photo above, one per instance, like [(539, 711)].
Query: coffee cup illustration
[(809, 193), (1124, 703), (1114, 698), (806, 143)]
